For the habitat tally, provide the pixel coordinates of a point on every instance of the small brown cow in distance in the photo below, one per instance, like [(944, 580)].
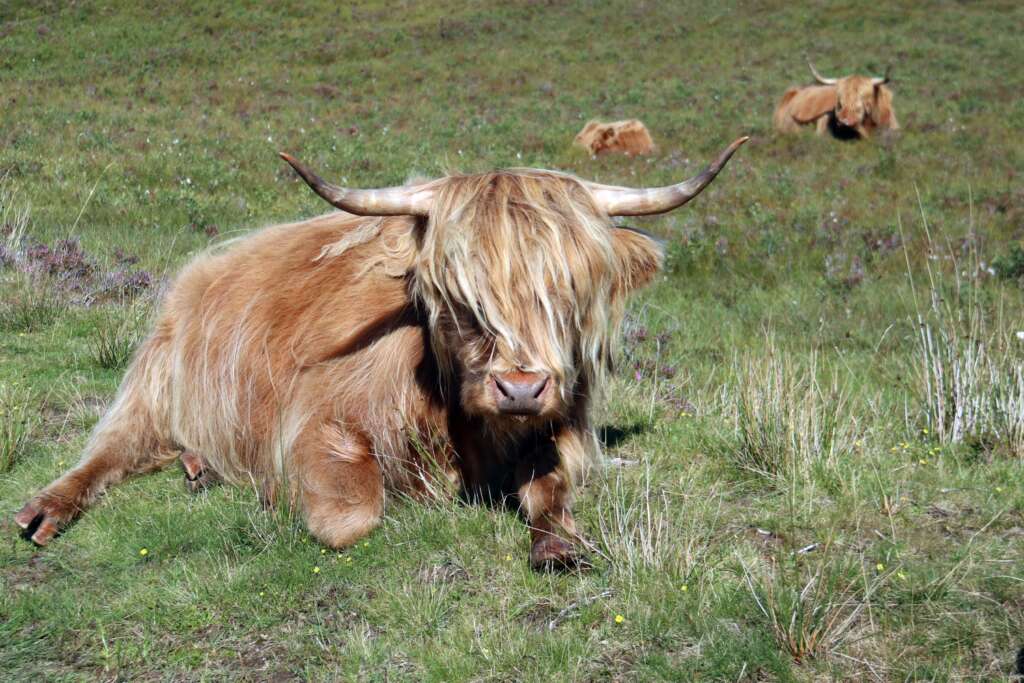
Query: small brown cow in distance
[(626, 137), (449, 335), (850, 107)]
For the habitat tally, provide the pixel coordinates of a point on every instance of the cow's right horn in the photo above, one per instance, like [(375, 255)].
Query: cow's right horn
[(884, 79), (821, 79), (412, 200)]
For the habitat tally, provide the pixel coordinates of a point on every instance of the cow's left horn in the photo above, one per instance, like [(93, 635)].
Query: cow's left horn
[(821, 79), (884, 79), (625, 201), (412, 200)]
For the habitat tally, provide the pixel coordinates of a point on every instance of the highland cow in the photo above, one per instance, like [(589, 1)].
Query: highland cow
[(848, 108), (626, 137), (427, 339)]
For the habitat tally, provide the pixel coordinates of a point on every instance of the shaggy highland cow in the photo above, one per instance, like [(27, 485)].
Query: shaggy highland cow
[(626, 137), (448, 334), (850, 107)]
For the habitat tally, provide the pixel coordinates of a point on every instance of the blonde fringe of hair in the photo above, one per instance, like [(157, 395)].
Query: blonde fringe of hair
[(525, 253)]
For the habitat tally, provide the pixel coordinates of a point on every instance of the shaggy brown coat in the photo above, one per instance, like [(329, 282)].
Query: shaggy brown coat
[(626, 137)]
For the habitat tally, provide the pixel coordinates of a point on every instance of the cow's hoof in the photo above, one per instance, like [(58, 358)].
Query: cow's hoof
[(42, 518), (554, 554), (197, 476)]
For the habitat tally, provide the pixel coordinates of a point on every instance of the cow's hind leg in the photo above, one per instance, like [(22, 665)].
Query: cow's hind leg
[(125, 442), (198, 475), (341, 486), (113, 455)]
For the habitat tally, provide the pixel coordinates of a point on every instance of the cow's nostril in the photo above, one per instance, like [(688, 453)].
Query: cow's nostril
[(539, 387), (503, 387)]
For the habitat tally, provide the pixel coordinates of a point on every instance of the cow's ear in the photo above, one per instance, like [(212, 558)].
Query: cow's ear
[(639, 256), (883, 113)]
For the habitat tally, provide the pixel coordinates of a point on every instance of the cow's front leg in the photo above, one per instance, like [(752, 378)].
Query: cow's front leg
[(545, 494), (340, 484), (821, 126)]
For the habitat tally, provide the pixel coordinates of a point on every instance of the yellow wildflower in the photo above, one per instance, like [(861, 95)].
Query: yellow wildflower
[(619, 618), (316, 570), (143, 552)]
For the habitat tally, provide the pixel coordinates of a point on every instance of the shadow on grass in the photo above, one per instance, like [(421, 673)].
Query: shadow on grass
[(615, 435)]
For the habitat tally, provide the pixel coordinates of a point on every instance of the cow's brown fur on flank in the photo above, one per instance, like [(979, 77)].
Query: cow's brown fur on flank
[(329, 361)]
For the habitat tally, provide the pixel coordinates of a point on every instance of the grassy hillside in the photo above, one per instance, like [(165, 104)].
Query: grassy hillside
[(818, 418)]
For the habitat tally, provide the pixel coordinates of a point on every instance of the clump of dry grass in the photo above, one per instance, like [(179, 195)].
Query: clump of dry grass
[(29, 303), (788, 424), (968, 368), (117, 335), (970, 386), (18, 423), (640, 525), (811, 606)]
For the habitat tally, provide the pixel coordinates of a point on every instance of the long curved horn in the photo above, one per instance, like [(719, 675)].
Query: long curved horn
[(414, 200), (821, 79), (625, 201), (884, 79)]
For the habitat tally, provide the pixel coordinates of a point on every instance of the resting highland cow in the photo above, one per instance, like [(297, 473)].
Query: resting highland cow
[(626, 137), (448, 334), (851, 107)]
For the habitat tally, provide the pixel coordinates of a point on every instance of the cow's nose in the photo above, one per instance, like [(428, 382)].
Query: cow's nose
[(518, 393)]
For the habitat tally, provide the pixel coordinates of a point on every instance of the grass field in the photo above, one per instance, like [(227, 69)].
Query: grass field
[(817, 421)]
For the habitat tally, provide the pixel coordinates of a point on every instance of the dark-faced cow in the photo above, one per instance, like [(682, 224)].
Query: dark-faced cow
[(427, 338), (850, 107)]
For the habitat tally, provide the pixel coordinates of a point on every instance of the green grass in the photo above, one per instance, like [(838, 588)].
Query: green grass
[(784, 338)]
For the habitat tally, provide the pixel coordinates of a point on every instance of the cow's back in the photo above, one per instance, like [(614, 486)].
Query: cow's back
[(803, 105)]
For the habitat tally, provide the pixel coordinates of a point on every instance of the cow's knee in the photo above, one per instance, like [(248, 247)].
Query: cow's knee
[(342, 488), (339, 526)]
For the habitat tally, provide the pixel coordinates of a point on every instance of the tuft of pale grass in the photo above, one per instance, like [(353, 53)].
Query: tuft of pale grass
[(811, 606), (28, 303), (117, 335), (18, 422), (968, 387), (969, 377), (14, 219), (788, 425), (641, 529)]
